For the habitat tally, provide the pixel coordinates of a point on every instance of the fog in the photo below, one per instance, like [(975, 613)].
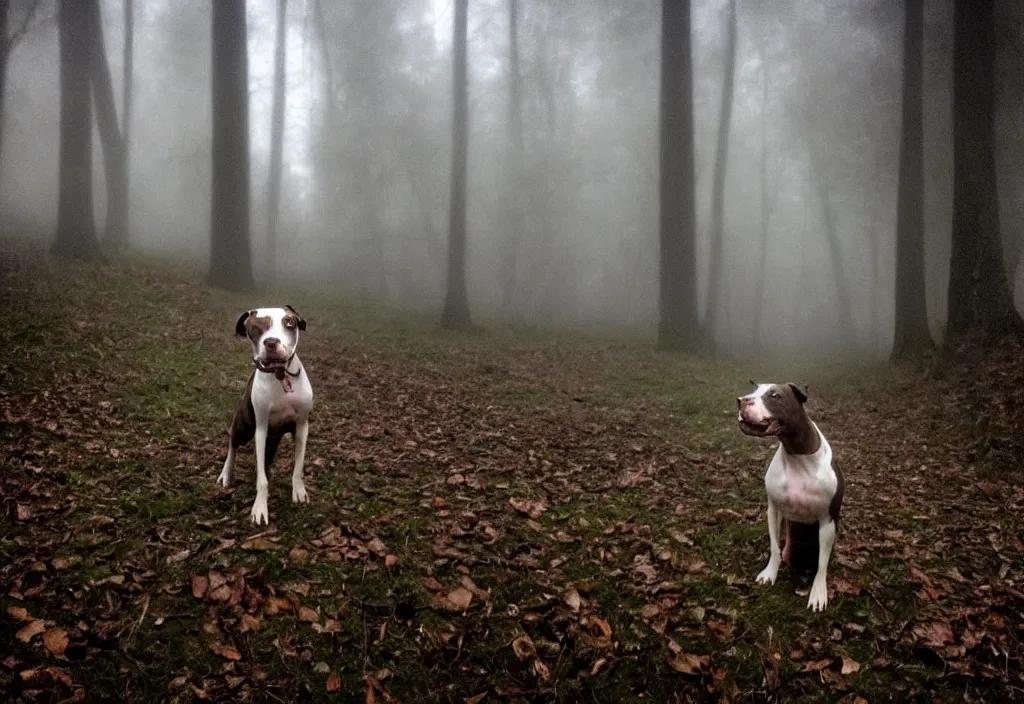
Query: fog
[(367, 156)]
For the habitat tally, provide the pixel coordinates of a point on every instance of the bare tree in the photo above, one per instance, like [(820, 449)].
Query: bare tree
[(911, 335), (114, 165), (757, 331), (11, 33), (510, 262), (230, 256), (456, 305), (76, 230), (679, 322), (980, 300), (718, 185), (126, 105), (276, 138)]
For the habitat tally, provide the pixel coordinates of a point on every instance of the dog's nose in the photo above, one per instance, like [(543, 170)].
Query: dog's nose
[(743, 401), (271, 343)]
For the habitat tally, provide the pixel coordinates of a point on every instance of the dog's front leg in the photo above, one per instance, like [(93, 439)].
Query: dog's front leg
[(769, 573), (298, 486), (819, 588), (229, 466), (259, 506)]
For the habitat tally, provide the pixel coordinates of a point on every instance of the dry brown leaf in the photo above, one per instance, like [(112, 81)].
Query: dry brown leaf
[(432, 584), (299, 555), (541, 670), (477, 699), (199, 586), (523, 648), (259, 545), (390, 560), (275, 605), (334, 682), (30, 630), (530, 507), (19, 613), (56, 641), (816, 665), (572, 599), (689, 663), (308, 615), (600, 630), (935, 633), (227, 652), (850, 666), (459, 598), (377, 547), (248, 623)]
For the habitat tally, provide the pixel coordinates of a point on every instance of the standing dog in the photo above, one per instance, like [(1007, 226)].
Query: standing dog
[(277, 400), (804, 483)]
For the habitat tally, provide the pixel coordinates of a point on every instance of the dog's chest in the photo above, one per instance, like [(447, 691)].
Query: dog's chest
[(284, 403), (801, 490)]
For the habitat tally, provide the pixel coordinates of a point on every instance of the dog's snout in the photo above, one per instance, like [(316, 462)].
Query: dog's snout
[(271, 343)]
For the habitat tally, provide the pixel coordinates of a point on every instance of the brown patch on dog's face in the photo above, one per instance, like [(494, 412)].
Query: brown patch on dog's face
[(770, 409)]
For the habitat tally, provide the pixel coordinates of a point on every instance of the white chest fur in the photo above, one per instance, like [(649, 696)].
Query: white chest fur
[(282, 400), (802, 486)]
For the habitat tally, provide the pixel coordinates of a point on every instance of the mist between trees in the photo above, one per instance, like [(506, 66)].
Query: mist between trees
[(733, 176)]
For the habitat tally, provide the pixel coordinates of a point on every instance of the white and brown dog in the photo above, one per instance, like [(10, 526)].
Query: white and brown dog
[(805, 485), (277, 400)]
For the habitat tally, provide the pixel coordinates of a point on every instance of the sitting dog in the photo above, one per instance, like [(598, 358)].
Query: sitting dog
[(805, 486), (277, 400)]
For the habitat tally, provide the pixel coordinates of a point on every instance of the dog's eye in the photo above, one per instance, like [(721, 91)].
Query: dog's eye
[(289, 323), (774, 394)]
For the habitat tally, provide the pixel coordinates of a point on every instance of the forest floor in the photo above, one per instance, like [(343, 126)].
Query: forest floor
[(502, 516)]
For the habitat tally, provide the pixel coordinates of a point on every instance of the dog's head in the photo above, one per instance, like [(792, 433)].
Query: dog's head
[(771, 409), (273, 333)]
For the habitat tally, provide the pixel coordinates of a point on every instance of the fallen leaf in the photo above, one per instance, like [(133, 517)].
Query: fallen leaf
[(226, 651), (477, 699), (572, 599), (298, 555), (432, 584), (390, 560), (850, 666), (334, 682), (458, 599), (18, 612), (816, 665), (24, 512), (532, 508), (308, 615), (56, 641), (523, 648), (31, 630), (199, 586), (600, 630), (377, 546), (689, 663), (259, 544), (541, 670), (935, 633), (248, 623)]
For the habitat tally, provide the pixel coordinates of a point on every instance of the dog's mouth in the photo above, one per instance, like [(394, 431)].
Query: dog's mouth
[(768, 428), (271, 364)]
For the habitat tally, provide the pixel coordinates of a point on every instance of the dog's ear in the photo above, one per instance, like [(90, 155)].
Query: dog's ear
[(302, 321), (800, 395), (753, 383), (240, 324)]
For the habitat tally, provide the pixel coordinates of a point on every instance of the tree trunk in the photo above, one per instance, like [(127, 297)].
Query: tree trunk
[(847, 324), (980, 300), (718, 188), (110, 135), (230, 257), (5, 52), (76, 230), (911, 337), (456, 305), (276, 140), (514, 197), (766, 215), (678, 319), (126, 108)]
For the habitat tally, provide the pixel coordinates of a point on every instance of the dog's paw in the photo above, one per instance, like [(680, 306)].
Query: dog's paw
[(818, 599), (259, 512), (225, 478), (299, 495), (768, 574)]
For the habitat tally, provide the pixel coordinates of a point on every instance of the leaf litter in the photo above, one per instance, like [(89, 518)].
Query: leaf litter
[(595, 536)]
